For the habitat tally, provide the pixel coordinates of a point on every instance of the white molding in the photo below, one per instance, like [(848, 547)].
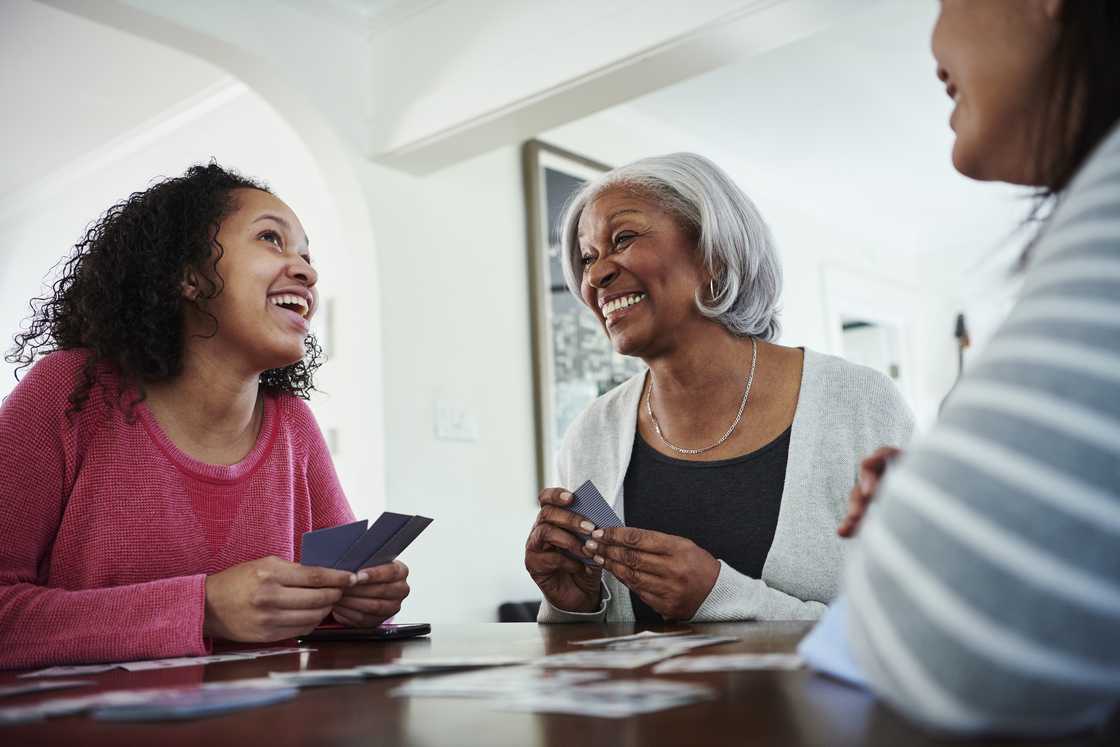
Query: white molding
[(347, 17), (170, 120), (757, 27), (387, 20)]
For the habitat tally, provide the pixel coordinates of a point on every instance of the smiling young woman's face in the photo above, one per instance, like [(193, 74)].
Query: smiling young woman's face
[(268, 284), (640, 272), (992, 56)]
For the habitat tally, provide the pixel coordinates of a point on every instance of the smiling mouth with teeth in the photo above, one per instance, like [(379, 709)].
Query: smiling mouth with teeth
[(291, 302), (623, 302)]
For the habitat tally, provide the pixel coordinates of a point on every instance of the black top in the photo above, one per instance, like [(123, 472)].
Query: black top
[(728, 507)]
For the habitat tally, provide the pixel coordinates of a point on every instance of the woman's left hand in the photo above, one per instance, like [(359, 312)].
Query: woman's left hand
[(671, 574), (371, 602)]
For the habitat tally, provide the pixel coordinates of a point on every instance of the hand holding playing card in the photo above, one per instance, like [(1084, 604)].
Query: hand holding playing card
[(270, 599), (566, 583), (671, 574), (375, 598)]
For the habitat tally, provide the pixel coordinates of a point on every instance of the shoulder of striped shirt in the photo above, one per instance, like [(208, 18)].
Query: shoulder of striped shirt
[(1076, 225), (1097, 186)]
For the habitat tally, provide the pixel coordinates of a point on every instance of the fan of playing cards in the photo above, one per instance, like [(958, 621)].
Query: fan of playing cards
[(351, 547)]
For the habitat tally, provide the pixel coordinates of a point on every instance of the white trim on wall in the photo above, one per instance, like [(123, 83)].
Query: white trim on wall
[(174, 118)]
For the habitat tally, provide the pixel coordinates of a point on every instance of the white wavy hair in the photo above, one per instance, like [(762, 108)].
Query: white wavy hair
[(733, 240)]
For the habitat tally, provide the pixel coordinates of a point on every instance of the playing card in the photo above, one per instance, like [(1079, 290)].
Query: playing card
[(367, 545), (352, 547), (605, 659), (324, 547), (610, 699), (70, 706), (319, 677), (590, 504), (399, 541), (70, 671), (181, 661), (388, 670), (194, 703), (489, 683), (729, 663), (262, 683), (8, 691), (678, 644), (258, 653), (20, 715), (642, 636), (463, 662)]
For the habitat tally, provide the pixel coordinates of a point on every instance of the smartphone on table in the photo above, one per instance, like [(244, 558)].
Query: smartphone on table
[(391, 632)]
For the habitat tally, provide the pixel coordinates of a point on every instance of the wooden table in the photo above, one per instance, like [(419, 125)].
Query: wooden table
[(753, 708)]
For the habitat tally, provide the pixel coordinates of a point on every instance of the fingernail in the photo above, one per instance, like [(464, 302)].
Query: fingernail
[(586, 525), (353, 579), (598, 560), (597, 534), (363, 576), (865, 485), (566, 497), (591, 545)]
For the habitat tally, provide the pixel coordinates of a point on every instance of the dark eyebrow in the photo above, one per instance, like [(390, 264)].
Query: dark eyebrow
[(610, 218), (287, 226), (277, 218)]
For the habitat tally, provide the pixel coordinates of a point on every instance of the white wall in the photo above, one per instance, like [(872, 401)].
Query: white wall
[(233, 125), (455, 302)]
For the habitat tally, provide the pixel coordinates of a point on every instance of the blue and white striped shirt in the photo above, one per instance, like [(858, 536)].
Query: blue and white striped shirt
[(985, 591)]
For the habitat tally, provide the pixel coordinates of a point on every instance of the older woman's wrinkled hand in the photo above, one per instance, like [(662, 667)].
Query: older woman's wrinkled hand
[(671, 574), (566, 583)]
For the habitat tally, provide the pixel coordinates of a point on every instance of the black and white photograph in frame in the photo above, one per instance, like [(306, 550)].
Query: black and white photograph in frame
[(573, 361)]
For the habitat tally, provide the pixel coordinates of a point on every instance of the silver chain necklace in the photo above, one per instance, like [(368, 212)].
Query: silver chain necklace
[(738, 415)]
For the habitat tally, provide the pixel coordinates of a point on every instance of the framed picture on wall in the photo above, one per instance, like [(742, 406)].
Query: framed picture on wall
[(573, 361)]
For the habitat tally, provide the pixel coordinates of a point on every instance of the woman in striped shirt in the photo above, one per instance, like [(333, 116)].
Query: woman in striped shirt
[(985, 591)]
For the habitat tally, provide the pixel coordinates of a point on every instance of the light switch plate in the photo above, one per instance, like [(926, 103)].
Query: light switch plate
[(455, 421)]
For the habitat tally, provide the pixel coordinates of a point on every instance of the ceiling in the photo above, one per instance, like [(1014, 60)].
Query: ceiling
[(371, 15), (76, 87), (852, 124)]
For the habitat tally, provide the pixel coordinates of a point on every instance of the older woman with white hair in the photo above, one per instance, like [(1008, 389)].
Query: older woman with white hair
[(728, 459)]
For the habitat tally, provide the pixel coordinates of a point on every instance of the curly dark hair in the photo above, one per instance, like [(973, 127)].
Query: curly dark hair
[(120, 292)]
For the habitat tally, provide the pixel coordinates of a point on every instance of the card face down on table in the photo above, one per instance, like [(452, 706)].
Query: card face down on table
[(351, 547)]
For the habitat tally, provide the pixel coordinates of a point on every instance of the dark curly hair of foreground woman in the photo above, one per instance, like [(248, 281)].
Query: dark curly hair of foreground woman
[(120, 293)]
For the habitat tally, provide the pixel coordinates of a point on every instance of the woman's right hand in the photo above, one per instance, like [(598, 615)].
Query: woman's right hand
[(270, 599), (567, 584), (871, 471)]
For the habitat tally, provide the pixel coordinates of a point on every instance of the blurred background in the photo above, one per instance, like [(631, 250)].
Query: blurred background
[(396, 130)]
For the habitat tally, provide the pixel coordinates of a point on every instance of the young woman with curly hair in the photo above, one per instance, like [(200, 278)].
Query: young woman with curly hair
[(159, 463)]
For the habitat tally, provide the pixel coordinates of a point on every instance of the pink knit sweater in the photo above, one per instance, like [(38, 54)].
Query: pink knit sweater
[(107, 530)]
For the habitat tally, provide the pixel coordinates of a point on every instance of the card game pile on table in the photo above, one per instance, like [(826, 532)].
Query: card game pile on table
[(546, 684)]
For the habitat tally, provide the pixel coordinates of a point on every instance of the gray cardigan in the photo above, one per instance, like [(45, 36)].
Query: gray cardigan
[(844, 412)]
